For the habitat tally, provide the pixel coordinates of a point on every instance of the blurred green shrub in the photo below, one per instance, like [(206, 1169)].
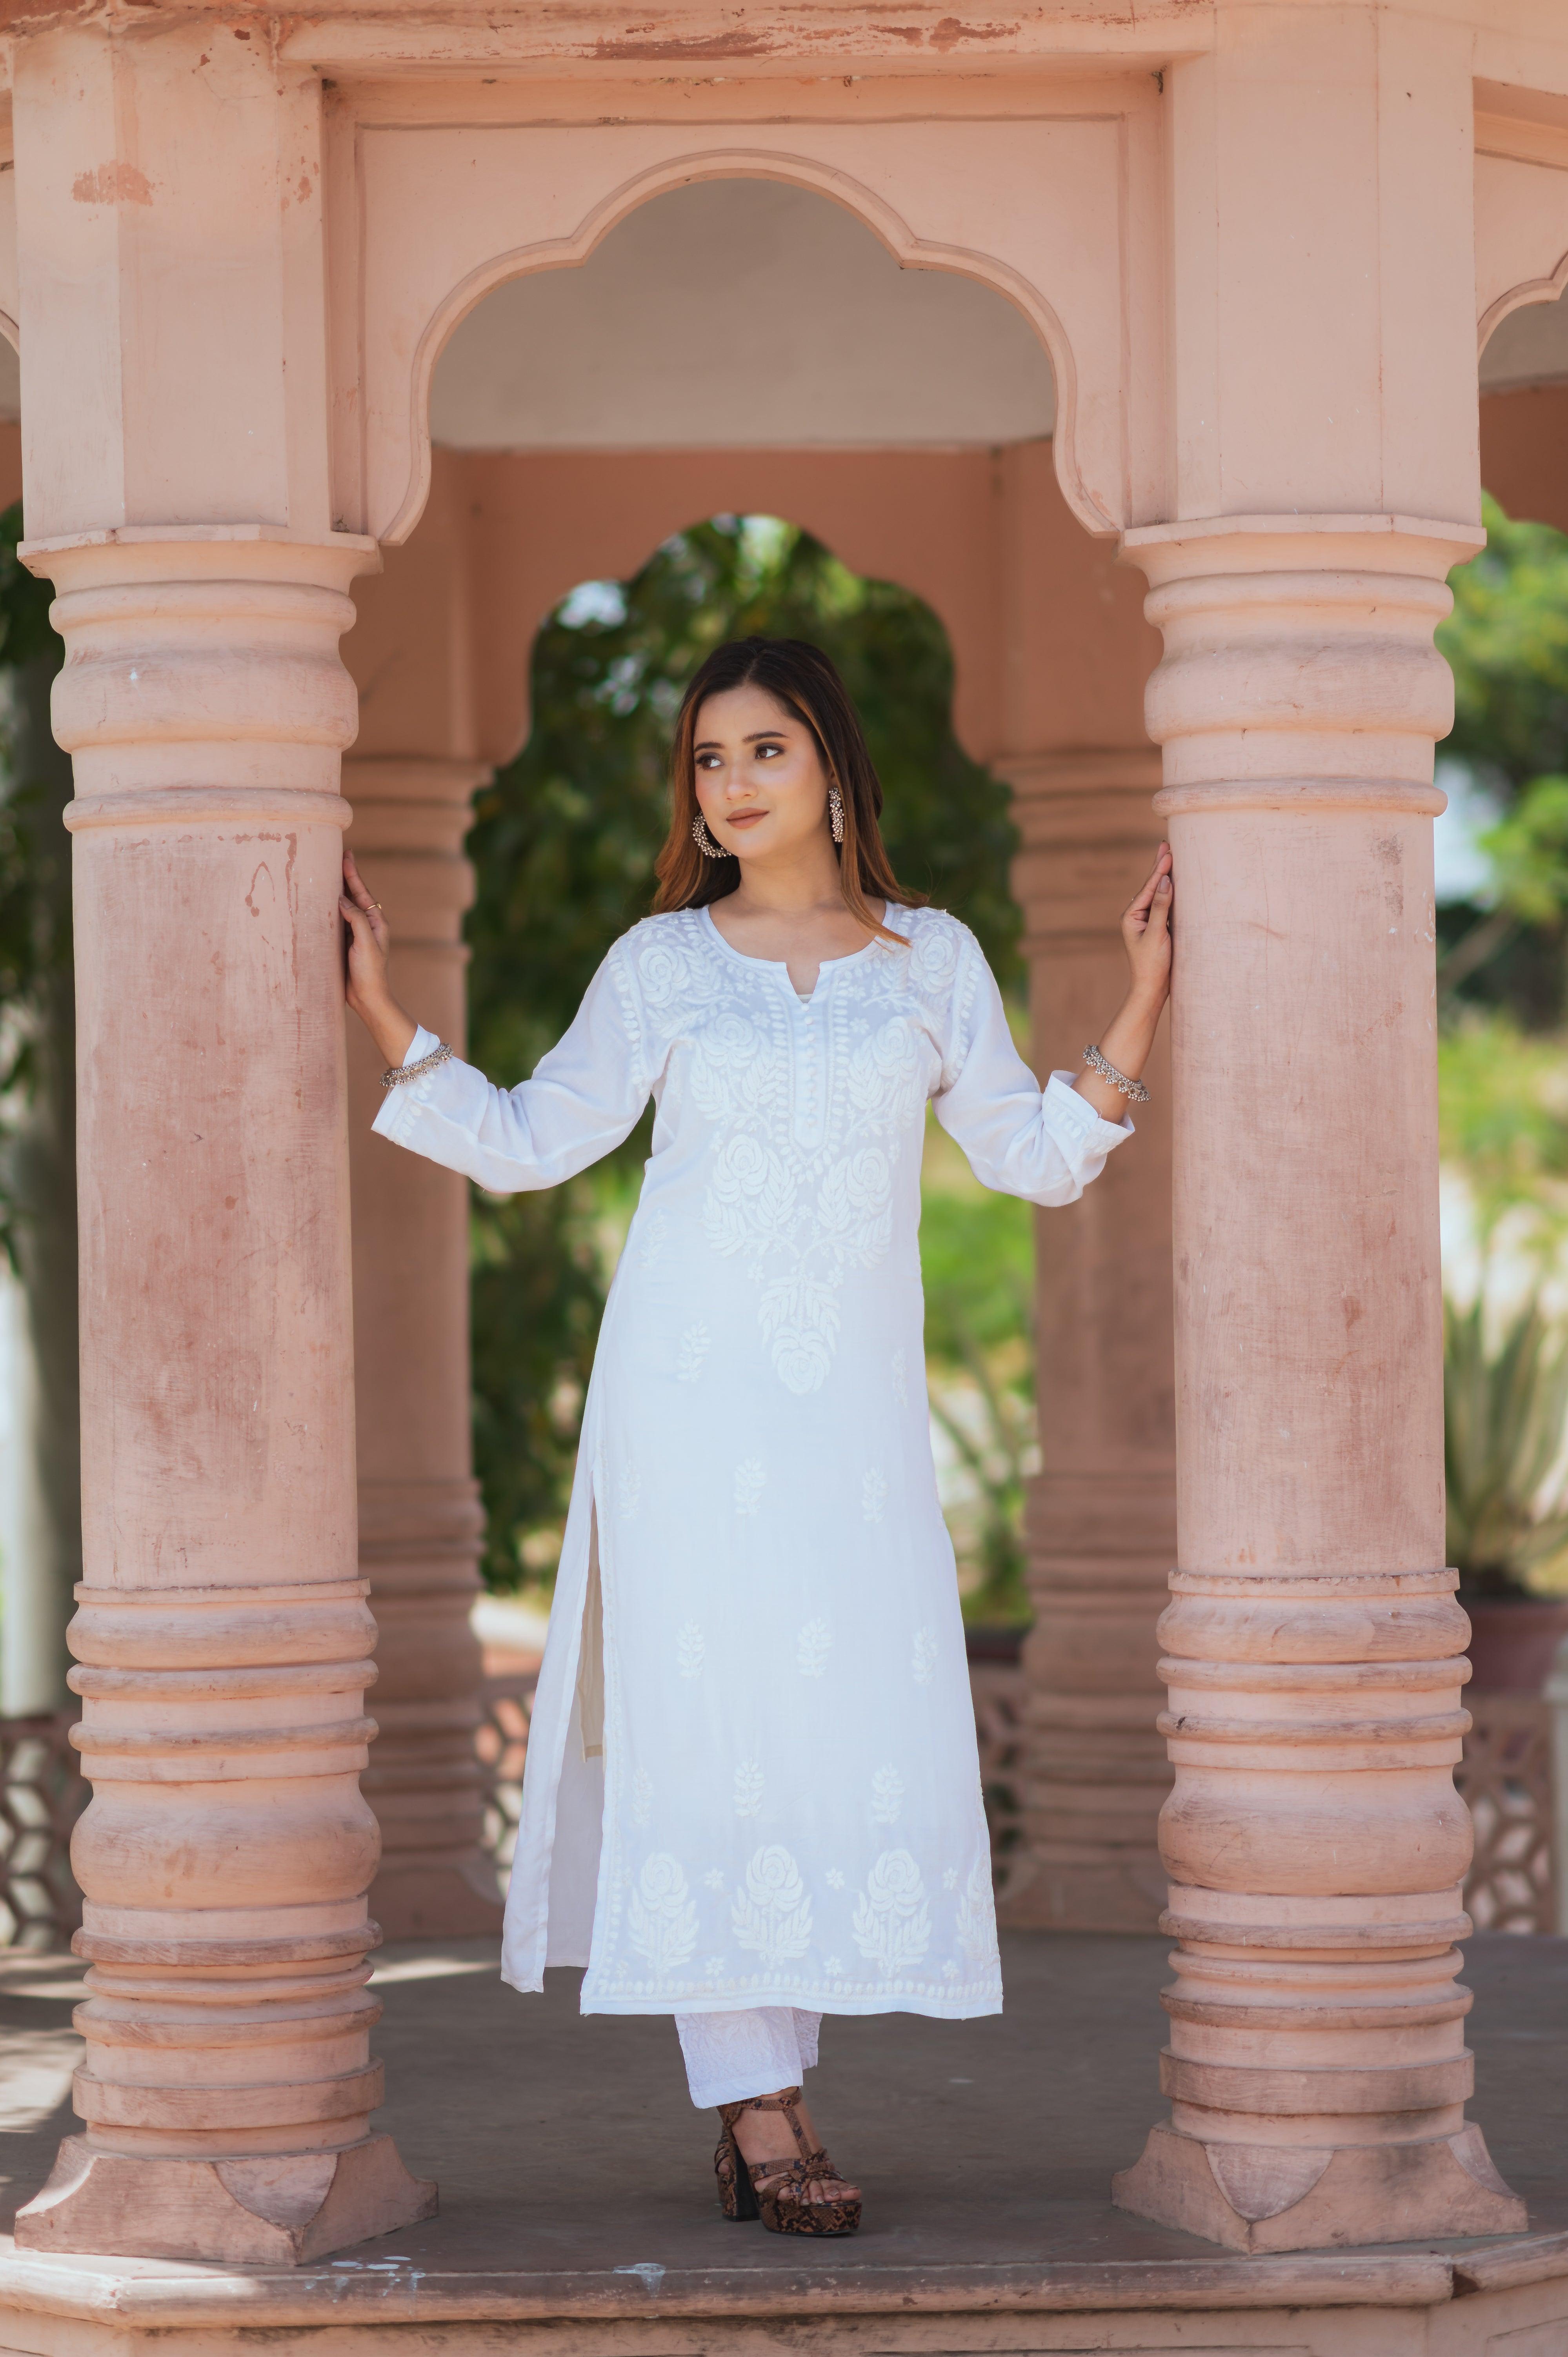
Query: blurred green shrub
[(1505, 1405)]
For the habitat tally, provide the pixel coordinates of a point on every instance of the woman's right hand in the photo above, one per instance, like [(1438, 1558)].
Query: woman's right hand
[(367, 942)]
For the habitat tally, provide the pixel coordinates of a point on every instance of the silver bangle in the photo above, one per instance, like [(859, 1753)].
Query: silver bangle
[(398, 1073), (1108, 1071)]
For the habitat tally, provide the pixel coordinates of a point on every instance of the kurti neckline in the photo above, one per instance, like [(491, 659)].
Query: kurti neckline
[(780, 965)]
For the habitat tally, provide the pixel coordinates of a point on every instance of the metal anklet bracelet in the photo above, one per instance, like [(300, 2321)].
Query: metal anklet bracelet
[(395, 1077), (1108, 1071)]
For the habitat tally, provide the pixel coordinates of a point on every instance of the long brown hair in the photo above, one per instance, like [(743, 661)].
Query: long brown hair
[(800, 678)]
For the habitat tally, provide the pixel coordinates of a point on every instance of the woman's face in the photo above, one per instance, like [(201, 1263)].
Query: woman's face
[(759, 777)]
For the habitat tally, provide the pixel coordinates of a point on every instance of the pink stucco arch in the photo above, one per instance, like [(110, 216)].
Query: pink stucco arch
[(912, 252), (1032, 209)]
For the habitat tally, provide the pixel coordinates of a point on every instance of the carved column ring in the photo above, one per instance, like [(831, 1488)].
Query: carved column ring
[(1298, 1626), (1253, 603), (219, 1684), (188, 1629), (1321, 1943), (354, 1941), (349, 2096), (1314, 1676), (286, 2024), (240, 1991)]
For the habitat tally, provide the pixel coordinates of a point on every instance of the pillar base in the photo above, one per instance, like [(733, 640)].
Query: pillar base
[(442, 1898), (277, 2210), (1302, 2197)]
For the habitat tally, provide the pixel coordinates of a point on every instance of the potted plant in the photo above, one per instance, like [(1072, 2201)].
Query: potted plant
[(1504, 1413)]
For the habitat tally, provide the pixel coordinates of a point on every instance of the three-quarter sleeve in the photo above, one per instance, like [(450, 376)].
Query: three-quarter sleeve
[(584, 1097), (1046, 1145)]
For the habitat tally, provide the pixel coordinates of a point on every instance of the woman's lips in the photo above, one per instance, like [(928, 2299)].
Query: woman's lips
[(746, 818)]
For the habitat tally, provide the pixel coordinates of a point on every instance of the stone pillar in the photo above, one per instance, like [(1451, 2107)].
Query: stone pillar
[(1317, 1849), (222, 1636), (420, 1522), (1102, 1512), (1075, 653)]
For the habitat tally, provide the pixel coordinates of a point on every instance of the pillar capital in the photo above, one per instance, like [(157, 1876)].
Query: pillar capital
[(1299, 667), (203, 678)]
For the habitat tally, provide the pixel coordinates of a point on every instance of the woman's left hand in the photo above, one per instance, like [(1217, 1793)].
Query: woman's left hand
[(1126, 1042), (1146, 931)]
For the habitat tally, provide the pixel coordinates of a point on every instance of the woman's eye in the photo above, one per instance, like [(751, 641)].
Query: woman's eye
[(769, 752)]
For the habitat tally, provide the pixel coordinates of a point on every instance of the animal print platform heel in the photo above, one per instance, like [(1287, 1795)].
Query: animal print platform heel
[(780, 2190)]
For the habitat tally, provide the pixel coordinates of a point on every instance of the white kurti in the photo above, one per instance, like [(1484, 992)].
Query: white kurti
[(752, 1776)]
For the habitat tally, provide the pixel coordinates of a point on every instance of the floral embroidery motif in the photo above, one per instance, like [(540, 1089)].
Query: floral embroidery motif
[(662, 1920), (641, 1797), (690, 1649), (834, 1967), (802, 1191), (653, 1236), (933, 958), (773, 1915), (665, 969), (748, 1790), (924, 1666), (714, 1877), (872, 1494), (900, 1383), (892, 1921), (950, 1879), (695, 1344), (977, 1917), (811, 1649), (749, 1476), (800, 1318), (628, 1492), (886, 1796), (834, 1878)]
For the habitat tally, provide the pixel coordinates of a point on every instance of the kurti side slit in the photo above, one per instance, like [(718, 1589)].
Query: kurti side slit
[(784, 1808)]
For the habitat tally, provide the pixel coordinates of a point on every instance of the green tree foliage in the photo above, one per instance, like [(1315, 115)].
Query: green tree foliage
[(1502, 1094), (977, 1260), (565, 846), (1507, 643), (1529, 853)]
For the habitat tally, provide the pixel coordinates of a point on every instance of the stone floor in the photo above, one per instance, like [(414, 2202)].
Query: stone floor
[(560, 2139), (569, 2155)]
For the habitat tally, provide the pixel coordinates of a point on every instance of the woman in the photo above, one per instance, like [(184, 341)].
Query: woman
[(752, 1794)]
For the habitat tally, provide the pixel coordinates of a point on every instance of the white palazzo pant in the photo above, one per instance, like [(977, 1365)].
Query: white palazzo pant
[(730, 2056)]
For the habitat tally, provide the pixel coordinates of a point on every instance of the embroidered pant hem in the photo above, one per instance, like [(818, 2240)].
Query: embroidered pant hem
[(730, 2056)]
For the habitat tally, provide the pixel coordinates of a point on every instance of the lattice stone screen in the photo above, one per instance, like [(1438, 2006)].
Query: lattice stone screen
[(1506, 1778), (42, 1793)]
